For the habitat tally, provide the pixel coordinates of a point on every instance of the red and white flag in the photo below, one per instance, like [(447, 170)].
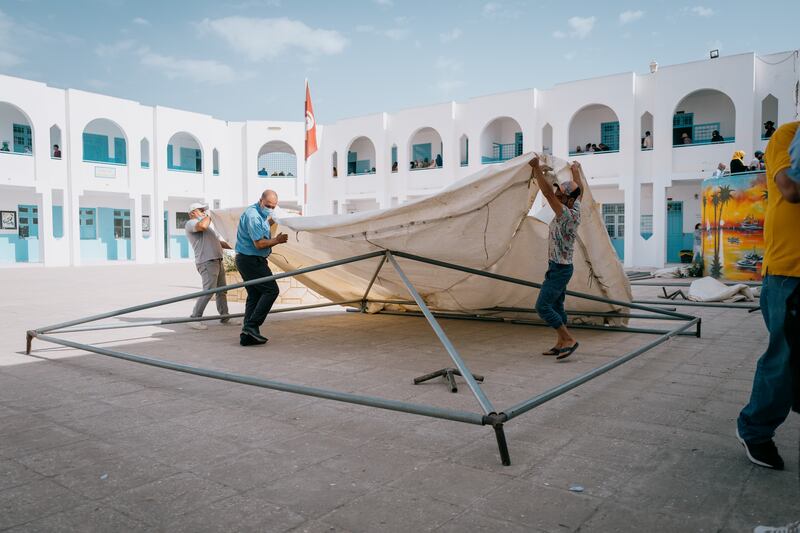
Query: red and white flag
[(311, 126)]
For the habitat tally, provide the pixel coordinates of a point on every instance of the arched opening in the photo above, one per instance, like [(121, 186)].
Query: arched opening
[(277, 159), (769, 116), (547, 139), (361, 157), (104, 142), (215, 162), (463, 150), (594, 129), (55, 142), (501, 140), (184, 153), (646, 131), (425, 149), (16, 132), (144, 151), (704, 117), (334, 165), (395, 164)]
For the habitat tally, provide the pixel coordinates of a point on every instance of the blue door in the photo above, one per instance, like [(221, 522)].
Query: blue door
[(674, 231), (27, 247)]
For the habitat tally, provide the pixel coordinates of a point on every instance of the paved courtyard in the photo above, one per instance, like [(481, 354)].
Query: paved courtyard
[(90, 443)]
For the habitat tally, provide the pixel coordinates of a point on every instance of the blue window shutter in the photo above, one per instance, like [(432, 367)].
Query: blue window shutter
[(420, 152), (120, 155), (170, 163)]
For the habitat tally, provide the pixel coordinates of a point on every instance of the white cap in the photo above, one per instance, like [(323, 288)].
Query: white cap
[(197, 205)]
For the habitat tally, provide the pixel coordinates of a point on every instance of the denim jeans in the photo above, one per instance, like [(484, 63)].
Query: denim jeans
[(260, 296), (771, 398), (550, 304)]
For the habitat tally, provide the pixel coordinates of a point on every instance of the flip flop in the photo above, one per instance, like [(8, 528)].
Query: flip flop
[(566, 352), (552, 351)]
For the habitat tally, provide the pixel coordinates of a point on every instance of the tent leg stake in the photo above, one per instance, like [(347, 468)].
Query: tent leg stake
[(496, 421), (447, 373), (28, 341)]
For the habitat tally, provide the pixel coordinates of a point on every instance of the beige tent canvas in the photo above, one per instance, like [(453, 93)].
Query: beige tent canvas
[(484, 221)]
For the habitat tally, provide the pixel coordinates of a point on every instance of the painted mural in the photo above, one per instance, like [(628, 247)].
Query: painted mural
[(733, 210)]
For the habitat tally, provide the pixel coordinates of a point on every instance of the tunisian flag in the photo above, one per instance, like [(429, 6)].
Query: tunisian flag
[(311, 126)]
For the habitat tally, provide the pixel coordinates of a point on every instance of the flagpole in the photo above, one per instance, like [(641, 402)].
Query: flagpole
[(304, 209)]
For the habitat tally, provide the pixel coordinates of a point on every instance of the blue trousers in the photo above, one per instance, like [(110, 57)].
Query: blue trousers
[(771, 398), (550, 304)]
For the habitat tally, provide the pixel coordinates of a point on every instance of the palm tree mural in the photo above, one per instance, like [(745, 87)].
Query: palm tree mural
[(722, 196)]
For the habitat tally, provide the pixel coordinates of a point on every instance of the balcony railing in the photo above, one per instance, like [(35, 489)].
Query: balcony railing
[(596, 152), (701, 143), (502, 152)]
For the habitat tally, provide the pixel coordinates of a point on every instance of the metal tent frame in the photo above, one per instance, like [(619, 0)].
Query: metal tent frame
[(488, 415)]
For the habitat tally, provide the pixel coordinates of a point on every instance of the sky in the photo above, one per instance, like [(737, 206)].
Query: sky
[(248, 59)]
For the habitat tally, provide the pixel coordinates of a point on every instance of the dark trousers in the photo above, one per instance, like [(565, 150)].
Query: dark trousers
[(550, 304), (260, 296)]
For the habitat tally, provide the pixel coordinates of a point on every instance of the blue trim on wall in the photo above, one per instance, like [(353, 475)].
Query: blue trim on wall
[(97, 241), (179, 247), (14, 249), (58, 221)]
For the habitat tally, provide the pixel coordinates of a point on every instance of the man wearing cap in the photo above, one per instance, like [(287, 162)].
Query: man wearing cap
[(207, 246), (254, 243), (565, 199), (757, 163)]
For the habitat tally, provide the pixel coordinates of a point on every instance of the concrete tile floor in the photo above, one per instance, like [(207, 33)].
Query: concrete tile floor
[(89, 443)]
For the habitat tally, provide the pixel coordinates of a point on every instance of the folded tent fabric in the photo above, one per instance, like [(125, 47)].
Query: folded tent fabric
[(484, 221)]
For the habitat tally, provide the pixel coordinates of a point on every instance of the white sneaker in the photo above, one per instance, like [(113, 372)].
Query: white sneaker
[(232, 322), (197, 325)]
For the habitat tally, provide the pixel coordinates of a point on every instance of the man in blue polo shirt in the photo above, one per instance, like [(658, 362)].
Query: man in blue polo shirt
[(253, 245)]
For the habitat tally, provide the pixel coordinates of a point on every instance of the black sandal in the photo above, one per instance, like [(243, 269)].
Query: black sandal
[(552, 351), (566, 352)]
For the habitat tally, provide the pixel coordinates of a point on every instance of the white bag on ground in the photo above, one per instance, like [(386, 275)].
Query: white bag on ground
[(709, 289)]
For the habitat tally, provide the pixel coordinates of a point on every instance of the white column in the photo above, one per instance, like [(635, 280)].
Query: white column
[(660, 222)]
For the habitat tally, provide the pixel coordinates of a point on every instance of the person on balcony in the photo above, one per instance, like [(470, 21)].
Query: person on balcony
[(647, 142), (438, 160), (565, 200), (775, 391), (737, 162), (595, 148), (757, 163), (263, 172), (56, 152), (716, 137), (394, 166), (720, 171), (685, 139), (588, 148), (769, 129), (603, 148), (334, 172), (578, 149), (5, 147)]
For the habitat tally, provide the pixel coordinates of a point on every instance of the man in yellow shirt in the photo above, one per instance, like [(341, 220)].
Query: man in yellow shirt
[(773, 384)]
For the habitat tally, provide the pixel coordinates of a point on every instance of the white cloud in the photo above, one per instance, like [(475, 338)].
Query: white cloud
[(449, 70), (7, 59), (141, 21), (581, 26), (266, 38), (365, 28), (448, 86), (446, 63), (630, 16), (700, 11), (491, 8), (399, 33), (197, 70), (114, 49), (450, 36), (386, 3)]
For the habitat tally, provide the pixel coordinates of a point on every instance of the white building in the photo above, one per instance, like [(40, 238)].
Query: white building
[(127, 172)]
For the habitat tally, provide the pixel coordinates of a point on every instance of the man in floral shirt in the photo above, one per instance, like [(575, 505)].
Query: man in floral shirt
[(565, 199)]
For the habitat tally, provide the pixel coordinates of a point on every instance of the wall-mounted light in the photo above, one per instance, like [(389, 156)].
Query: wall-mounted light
[(713, 54)]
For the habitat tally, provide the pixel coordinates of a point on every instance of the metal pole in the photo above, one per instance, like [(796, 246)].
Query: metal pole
[(486, 405), (189, 296), (535, 285), (600, 314), (538, 400), (675, 283), (371, 281), (728, 305), (165, 321), (371, 401), (614, 329)]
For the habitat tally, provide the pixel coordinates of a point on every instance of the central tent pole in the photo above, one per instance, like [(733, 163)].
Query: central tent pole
[(486, 405)]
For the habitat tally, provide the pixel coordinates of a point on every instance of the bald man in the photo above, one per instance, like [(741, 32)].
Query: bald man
[(253, 245), (565, 199)]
